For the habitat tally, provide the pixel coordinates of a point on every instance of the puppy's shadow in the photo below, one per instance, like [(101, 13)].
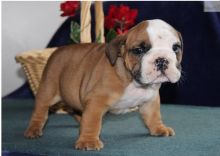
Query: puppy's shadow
[(122, 117), (63, 126), (127, 137), (132, 136)]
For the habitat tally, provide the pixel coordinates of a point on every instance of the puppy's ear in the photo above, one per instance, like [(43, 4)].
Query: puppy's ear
[(181, 40), (113, 49), (180, 55)]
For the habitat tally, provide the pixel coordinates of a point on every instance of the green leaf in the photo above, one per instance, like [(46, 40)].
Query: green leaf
[(110, 35), (75, 32), (98, 39)]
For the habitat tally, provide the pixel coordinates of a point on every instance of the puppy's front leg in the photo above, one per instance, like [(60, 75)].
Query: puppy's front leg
[(152, 118), (90, 125)]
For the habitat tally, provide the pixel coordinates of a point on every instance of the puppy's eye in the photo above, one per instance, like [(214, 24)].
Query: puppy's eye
[(141, 50), (176, 47), (138, 51)]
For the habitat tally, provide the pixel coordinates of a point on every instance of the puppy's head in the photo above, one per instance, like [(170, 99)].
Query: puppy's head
[(152, 52)]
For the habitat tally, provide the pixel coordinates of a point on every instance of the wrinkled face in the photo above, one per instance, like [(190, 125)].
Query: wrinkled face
[(153, 52)]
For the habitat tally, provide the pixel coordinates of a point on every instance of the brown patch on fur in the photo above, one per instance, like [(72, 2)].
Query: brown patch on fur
[(135, 38), (122, 46), (137, 35)]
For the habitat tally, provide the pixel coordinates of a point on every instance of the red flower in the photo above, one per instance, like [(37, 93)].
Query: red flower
[(120, 17), (120, 32), (69, 8)]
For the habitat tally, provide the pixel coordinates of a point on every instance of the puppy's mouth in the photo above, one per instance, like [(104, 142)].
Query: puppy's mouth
[(161, 78), (157, 77), (171, 77)]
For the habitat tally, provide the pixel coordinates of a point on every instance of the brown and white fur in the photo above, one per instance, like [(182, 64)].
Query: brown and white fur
[(97, 78)]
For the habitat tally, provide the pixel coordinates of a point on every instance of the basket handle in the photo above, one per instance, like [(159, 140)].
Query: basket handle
[(99, 19), (85, 25)]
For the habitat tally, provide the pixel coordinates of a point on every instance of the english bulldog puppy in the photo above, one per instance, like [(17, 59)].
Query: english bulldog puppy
[(96, 78)]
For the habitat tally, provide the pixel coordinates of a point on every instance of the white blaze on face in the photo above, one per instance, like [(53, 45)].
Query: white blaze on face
[(162, 37)]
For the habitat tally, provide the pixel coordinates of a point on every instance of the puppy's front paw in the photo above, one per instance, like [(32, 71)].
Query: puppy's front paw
[(33, 133), (83, 144), (162, 130)]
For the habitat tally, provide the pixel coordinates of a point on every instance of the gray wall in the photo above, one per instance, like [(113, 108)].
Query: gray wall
[(25, 26)]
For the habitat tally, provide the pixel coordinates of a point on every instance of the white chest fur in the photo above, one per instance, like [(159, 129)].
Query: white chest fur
[(133, 96)]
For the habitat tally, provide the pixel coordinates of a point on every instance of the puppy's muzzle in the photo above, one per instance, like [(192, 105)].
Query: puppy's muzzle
[(161, 64)]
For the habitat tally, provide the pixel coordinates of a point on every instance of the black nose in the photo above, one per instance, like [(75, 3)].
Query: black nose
[(161, 63)]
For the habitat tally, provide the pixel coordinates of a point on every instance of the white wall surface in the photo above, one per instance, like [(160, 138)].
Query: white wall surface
[(25, 26)]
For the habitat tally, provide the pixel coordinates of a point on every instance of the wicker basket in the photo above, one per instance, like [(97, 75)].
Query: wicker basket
[(33, 63)]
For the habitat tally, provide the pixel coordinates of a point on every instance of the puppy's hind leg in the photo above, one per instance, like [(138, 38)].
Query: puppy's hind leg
[(46, 97)]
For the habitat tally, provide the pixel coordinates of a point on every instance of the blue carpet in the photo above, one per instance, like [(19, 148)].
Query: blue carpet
[(197, 133)]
